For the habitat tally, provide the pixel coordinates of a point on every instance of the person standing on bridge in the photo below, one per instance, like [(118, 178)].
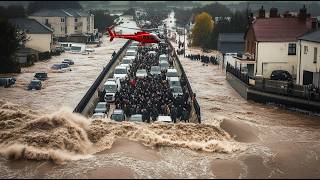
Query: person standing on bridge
[(113, 54)]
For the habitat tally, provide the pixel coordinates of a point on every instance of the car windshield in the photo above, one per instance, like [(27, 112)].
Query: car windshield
[(117, 117), (131, 53), (175, 83), (101, 105), (177, 90), (172, 74), (136, 118), (155, 68), (126, 61), (64, 65), (111, 88), (120, 71), (141, 71)]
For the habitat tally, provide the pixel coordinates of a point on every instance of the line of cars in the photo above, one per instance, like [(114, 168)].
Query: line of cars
[(113, 85)]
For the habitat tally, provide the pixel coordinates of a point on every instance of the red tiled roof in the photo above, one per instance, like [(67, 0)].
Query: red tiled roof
[(280, 29)]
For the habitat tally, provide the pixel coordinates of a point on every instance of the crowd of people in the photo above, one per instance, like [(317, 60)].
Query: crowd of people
[(151, 96), (203, 58)]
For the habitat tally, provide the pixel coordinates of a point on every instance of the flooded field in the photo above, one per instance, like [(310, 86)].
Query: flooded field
[(39, 138)]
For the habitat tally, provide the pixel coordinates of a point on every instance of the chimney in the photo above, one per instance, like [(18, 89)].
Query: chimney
[(303, 13), (274, 13), (314, 24), (262, 13)]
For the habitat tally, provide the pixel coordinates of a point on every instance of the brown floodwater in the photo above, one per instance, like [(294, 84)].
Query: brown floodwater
[(40, 137)]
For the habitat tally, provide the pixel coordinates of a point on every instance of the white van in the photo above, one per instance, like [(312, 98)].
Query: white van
[(111, 86), (164, 65), (120, 72), (66, 45), (78, 48)]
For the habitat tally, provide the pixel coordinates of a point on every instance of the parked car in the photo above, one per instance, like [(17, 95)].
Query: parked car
[(155, 70), (136, 118), (35, 84), (164, 65), (102, 107), (7, 82), (281, 75), (68, 61), (174, 81), (141, 73), (176, 90), (41, 76), (99, 115), (118, 115)]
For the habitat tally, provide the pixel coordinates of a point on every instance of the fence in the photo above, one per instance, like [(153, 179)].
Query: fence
[(237, 72), (86, 98), (184, 76)]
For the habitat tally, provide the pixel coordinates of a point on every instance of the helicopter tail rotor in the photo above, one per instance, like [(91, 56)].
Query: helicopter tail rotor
[(111, 33)]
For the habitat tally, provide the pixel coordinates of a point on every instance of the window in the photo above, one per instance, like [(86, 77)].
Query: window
[(62, 19), (75, 19), (292, 49), (315, 55), (61, 29), (75, 28), (47, 21), (305, 49)]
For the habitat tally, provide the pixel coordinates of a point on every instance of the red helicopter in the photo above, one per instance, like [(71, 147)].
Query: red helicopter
[(142, 36)]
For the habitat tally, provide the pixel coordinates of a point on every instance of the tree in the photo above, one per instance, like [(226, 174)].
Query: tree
[(202, 29), (11, 39), (12, 11), (37, 5), (102, 19)]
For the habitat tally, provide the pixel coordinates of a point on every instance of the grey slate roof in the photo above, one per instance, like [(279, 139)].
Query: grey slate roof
[(313, 36), (31, 26), (231, 37), (60, 13)]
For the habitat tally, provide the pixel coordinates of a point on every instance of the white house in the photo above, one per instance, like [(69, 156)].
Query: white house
[(39, 36), (66, 22), (273, 42), (309, 57)]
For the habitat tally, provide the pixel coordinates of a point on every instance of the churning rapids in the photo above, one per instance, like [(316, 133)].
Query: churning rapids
[(61, 136)]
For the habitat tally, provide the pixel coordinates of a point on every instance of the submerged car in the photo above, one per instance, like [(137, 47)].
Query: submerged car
[(7, 82), (41, 76), (68, 61), (35, 84)]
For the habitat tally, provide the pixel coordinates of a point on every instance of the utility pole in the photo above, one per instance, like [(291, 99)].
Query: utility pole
[(184, 43)]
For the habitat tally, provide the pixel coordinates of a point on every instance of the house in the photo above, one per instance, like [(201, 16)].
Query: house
[(271, 43), (39, 36), (66, 22), (309, 59)]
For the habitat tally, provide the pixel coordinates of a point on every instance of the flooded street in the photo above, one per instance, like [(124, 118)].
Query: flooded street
[(237, 138)]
